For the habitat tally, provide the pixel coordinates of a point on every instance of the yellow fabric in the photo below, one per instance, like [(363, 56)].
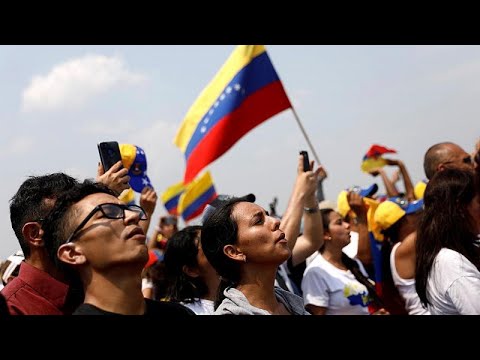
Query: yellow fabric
[(373, 227), (240, 57), (372, 163), (419, 190), (387, 214), (127, 196), (129, 153), (344, 209), (342, 203)]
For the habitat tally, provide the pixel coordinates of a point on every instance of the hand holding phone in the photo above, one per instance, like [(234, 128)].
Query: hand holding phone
[(306, 160), (109, 154)]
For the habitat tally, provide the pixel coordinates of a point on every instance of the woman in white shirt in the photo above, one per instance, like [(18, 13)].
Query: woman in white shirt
[(333, 283), (448, 259)]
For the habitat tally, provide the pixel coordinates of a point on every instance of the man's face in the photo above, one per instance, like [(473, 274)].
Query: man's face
[(108, 242), (456, 158)]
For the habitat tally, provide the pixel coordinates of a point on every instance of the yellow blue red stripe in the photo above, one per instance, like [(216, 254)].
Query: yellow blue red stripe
[(171, 196), (245, 92), (196, 196)]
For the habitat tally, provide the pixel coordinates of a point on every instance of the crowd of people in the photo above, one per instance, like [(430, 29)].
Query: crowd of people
[(84, 251)]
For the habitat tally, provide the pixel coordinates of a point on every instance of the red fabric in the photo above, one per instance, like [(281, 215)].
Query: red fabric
[(34, 292), (257, 108), (377, 150)]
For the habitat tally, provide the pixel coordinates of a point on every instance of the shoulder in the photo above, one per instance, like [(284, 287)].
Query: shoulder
[(12, 288), (166, 308), (88, 309), (318, 263), (450, 265), (446, 255), (451, 259)]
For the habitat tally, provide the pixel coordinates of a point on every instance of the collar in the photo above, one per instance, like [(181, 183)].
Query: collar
[(50, 288)]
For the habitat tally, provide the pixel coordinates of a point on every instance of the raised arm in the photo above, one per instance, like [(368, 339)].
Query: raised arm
[(389, 186), (148, 201), (303, 203), (409, 190)]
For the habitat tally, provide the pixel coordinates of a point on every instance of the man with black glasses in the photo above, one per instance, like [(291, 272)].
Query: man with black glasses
[(96, 238)]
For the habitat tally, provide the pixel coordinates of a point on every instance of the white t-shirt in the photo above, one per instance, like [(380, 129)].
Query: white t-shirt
[(338, 290), (351, 249), (147, 284), (453, 286), (201, 307), (406, 288)]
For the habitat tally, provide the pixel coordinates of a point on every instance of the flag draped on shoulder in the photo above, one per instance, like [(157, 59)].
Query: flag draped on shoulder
[(196, 196), (171, 196), (245, 92)]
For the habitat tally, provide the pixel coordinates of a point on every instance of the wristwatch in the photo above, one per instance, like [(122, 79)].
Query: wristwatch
[(311, 210)]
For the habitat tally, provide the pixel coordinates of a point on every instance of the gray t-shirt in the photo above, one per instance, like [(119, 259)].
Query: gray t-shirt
[(235, 303)]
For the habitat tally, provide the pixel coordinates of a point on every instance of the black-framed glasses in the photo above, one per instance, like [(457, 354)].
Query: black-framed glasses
[(110, 211), (466, 160)]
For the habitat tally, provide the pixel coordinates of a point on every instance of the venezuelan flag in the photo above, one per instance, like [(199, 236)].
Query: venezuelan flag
[(171, 196), (245, 92), (197, 195), (373, 158)]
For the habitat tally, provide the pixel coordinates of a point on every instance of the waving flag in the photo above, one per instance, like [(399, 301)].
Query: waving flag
[(373, 158), (196, 196), (171, 196), (244, 93)]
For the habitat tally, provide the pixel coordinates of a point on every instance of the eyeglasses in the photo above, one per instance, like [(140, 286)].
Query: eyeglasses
[(110, 211), (466, 160)]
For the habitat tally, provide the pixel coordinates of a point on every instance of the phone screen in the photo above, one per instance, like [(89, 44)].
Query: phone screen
[(306, 160), (109, 154)]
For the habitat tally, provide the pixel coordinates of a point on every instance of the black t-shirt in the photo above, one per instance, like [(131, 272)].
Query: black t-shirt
[(153, 308)]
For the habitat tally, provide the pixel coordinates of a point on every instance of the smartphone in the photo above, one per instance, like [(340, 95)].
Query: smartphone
[(109, 153), (306, 160)]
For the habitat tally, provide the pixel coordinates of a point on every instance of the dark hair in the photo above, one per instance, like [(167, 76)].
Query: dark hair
[(59, 224), (220, 229), (351, 264), (445, 223), (182, 250), (29, 203)]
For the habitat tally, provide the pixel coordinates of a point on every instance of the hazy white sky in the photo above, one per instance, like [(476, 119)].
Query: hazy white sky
[(57, 102)]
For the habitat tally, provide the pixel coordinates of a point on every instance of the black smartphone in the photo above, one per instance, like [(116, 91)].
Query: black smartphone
[(306, 160), (109, 153)]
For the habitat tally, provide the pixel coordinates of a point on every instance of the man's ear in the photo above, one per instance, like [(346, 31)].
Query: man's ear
[(71, 254), (233, 253), (32, 232)]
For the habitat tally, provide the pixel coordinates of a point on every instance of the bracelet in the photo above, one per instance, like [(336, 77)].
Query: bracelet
[(311, 210)]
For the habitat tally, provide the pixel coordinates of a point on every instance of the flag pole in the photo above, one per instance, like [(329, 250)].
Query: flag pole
[(305, 135)]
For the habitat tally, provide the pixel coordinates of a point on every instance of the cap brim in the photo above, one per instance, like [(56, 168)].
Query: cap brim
[(370, 191), (414, 207), (138, 182)]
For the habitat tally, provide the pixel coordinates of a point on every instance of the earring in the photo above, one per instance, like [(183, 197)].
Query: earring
[(244, 258), (329, 238)]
